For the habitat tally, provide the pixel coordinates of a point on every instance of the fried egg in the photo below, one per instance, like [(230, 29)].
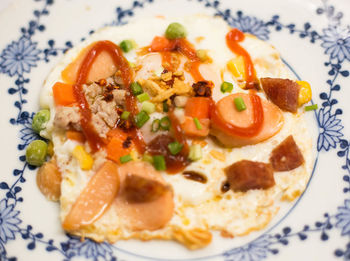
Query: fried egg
[(199, 208)]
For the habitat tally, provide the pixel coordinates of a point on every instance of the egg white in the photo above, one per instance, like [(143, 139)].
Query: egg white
[(197, 205)]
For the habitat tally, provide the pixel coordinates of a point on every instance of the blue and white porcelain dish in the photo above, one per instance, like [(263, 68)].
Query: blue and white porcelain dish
[(313, 37)]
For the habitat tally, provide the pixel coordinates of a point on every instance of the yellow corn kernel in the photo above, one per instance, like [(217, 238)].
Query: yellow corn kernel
[(305, 93), (85, 160), (236, 67)]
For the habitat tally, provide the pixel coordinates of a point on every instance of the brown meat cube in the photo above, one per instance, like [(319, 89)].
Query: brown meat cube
[(245, 175), (282, 92), (286, 156)]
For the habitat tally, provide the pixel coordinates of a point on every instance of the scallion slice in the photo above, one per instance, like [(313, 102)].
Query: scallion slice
[(155, 125), (125, 158), (226, 87), (197, 123), (195, 152), (175, 147), (136, 88), (165, 106), (159, 162), (165, 123), (125, 115), (141, 118), (311, 107), (239, 103), (147, 157), (148, 107), (143, 97)]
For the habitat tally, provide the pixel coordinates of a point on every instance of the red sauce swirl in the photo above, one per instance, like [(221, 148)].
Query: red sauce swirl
[(94, 140), (186, 48), (233, 38), (250, 131)]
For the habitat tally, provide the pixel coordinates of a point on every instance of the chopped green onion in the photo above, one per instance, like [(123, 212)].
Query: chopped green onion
[(127, 45), (136, 88), (125, 159), (239, 103), (175, 147), (159, 162), (311, 107), (148, 158), (197, 123), (155, 125), (195, 152), (125, 115), (141, 118), (143, 97), (148, 107), (165, 123), (165, 106), (226, 87), (175, 30)]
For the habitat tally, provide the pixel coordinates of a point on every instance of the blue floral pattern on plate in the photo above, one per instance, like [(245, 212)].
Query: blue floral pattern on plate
[(20, 56)]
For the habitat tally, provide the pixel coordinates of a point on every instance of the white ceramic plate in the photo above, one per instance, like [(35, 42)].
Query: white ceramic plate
[(313, 37)]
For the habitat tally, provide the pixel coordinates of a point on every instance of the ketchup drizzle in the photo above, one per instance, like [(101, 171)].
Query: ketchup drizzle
[(233, 38), (186, 48), (250, 131), (95, 141)]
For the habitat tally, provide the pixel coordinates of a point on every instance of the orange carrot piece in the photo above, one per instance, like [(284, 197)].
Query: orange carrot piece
[(75, 135), (115, 148), (190, 129), (198, 107), (160, 43), (95, 198), (63, 94)]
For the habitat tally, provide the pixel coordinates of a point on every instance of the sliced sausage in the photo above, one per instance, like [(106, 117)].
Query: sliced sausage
[(286, 156), (282, 92), (141, 190), (245, 175), (137, 214), (273, 121), (101, 68)]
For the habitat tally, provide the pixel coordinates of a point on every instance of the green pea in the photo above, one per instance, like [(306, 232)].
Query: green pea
[(36, 152), (175, 30), (127, 45), (40, 119)]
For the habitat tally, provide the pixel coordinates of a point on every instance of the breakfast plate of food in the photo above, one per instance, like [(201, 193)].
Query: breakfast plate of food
[(163, 130)]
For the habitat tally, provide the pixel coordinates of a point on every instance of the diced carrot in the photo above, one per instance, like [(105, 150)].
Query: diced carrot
[(75, 135), (198, 107), (115, 148), (95, 198), (116, 132), (160, 43), (190, 128), (63, 94)]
